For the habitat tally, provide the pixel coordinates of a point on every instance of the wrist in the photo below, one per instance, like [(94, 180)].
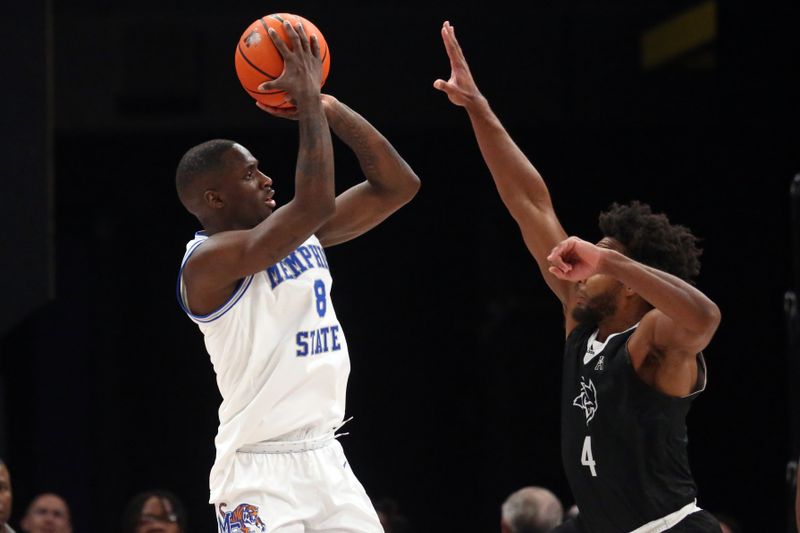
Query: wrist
[(330, 106), (477, 105), (610, 262)]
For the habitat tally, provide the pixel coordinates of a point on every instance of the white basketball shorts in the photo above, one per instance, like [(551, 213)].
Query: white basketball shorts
[(294, 487)]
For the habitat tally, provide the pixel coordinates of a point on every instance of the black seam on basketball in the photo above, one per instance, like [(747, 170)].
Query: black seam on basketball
[(270, 76), (277, 17), (266, 26)]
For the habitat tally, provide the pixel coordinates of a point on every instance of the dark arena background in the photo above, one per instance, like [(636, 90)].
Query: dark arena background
[(105, 386)]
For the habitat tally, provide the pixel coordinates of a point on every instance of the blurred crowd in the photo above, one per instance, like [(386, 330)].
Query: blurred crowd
[(530, 509)]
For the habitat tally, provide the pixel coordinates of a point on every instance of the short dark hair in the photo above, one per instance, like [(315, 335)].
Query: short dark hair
[(133, 510), (650, 239), (199, 160)]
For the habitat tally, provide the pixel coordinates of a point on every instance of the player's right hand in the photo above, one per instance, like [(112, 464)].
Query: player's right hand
[(302, 70), (574, 259)]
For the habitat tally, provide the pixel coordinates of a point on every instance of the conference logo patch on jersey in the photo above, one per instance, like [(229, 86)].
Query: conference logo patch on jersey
[(587, 400), (243, 519), (600, 366)]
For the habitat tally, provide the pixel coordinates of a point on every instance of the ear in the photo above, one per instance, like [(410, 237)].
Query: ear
[(629, 292), (213, 199)]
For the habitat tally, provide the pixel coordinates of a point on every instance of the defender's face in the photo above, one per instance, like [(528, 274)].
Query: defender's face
[(47, 514), (245, 191), (5, 495), (597, 294)]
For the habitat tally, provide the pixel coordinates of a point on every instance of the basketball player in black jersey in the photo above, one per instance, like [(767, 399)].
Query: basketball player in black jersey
[(635, 328)]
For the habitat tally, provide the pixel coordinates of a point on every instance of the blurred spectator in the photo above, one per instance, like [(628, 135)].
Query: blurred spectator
[(572, 512), (531, 510), (390, 516), (154, 511), (47, 513), (727, 523), (5, 498)]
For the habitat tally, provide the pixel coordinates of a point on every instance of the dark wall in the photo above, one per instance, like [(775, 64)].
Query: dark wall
[(454, 338)]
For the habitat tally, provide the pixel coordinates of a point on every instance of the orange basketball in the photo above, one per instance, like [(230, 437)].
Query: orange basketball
[(257, 59)]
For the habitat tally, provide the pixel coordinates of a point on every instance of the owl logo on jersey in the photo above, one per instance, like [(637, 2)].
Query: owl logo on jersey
[(243, 519), (587, 400)]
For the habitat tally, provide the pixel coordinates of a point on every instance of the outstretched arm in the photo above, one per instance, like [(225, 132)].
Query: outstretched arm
[(520, 185)]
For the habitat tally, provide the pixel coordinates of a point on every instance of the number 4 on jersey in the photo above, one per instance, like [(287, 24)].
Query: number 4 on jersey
[(586, 455)]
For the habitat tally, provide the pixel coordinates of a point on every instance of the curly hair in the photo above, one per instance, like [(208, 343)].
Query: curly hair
[(650, 239)]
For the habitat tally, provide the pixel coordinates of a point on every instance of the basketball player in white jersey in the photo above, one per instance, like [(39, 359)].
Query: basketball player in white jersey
[(257, 283)]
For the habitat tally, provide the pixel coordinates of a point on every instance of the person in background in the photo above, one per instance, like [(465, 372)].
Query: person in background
[(154, 511), (6, 498), (531, 510), (47, 513)]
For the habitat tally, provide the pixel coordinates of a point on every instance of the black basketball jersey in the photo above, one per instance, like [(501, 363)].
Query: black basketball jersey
[(623, 444)]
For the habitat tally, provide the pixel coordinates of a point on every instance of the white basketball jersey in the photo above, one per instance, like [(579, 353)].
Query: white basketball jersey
[(279, 354)]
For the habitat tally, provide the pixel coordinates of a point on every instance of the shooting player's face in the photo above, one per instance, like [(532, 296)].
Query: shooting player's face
[(245, 191)]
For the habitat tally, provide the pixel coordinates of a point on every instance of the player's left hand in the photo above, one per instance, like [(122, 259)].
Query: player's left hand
[(460, 88), (290, 113), (575, 259), (280, 112)]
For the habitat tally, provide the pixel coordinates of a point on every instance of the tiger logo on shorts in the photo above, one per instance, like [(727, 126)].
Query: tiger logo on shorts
[(243, 519)]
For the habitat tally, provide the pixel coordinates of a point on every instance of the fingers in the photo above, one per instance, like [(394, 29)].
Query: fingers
[(282, 112), (283, 50), (556, 257), (458, 63), (269, 109), (449, 45), (301, 33), (294, 38), (315, 49), (557, 273), (559, 264)]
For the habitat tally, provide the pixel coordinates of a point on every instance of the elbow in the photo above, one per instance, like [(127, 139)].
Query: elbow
[(402, 189), (412, 186), (711, 318)]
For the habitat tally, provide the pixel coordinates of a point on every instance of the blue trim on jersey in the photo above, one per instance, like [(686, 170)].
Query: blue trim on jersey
[(241, 287)]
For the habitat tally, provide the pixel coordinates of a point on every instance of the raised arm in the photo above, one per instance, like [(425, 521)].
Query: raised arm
[(520, 185), (212, 272), (390, 183)]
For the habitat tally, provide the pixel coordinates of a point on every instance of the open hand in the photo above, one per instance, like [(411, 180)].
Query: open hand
[(302, 67), (460, 88)]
